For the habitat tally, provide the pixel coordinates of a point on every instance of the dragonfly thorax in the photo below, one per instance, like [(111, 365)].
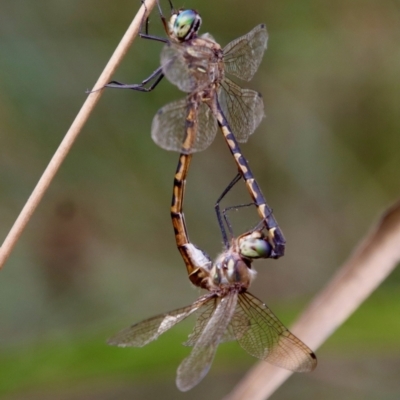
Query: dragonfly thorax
[(184, 25), (205, 60), (231, 269), (193, 65)]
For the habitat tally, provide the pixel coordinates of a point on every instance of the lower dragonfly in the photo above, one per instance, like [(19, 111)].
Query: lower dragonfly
[(197, 65), (227, 312)]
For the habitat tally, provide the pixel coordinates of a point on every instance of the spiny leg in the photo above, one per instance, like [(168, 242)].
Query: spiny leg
[(236, 208), (145, 22), (141, 87), (157, 74), (218, 211)]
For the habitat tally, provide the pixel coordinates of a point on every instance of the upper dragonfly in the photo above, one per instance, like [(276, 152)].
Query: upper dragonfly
[(197, 65)]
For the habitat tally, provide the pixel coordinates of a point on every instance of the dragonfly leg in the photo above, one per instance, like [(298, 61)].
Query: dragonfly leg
[(164, 21), (151, 37), (145, 22), (236, 208), (218, 211), (158, 74), (171, 5), (141, 87)]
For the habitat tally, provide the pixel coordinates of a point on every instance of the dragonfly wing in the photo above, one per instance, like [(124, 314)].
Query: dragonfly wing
[(144, 332), (263, 336), (206, 129), (204, 316), (201, 322), (194, 368), (169, 127), (243, 108), (243, 56), (187, 66)]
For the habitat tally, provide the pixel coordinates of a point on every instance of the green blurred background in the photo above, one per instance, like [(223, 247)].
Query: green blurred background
[(99, 253)]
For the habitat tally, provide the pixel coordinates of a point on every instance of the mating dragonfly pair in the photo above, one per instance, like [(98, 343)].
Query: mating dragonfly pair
[(197, 65)]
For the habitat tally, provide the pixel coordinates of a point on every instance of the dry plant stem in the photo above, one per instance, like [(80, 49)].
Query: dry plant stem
[(71, 135), (371, 262)]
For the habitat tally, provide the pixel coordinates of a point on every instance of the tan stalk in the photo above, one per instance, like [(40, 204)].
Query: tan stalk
[(73, 132), (370, 263)]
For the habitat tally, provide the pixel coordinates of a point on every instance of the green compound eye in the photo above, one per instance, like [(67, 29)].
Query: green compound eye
[(255, 248), (186, 25)]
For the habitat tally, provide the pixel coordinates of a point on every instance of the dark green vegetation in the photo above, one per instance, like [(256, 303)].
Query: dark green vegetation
[(62, 361), (326, 156)]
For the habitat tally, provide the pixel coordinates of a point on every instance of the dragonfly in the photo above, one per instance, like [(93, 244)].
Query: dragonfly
[(197, 65), (227, 312)]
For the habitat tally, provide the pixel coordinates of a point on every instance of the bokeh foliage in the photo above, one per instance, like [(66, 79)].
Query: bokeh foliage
[(99, 252)]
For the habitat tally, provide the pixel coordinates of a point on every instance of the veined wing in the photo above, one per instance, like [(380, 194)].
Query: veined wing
[(243, 108), (144, 332), (265, 337), (202, 319), (189, 67), (169, 127), (193, 368), (243, 56)]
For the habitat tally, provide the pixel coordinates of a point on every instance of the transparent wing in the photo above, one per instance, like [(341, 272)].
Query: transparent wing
[(206, 129), (201, 322), (168, 126), (193, 368), (264, 336), (144, 332), (168, 129), (188, 66), (243, 56), (229, 336), (243, 108)]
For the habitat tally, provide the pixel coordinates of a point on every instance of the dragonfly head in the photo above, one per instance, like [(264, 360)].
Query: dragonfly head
[(184, 25), (254, 245)]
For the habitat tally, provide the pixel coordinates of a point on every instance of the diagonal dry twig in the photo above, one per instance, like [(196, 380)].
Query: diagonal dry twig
[(371, 262), (73, 132)]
